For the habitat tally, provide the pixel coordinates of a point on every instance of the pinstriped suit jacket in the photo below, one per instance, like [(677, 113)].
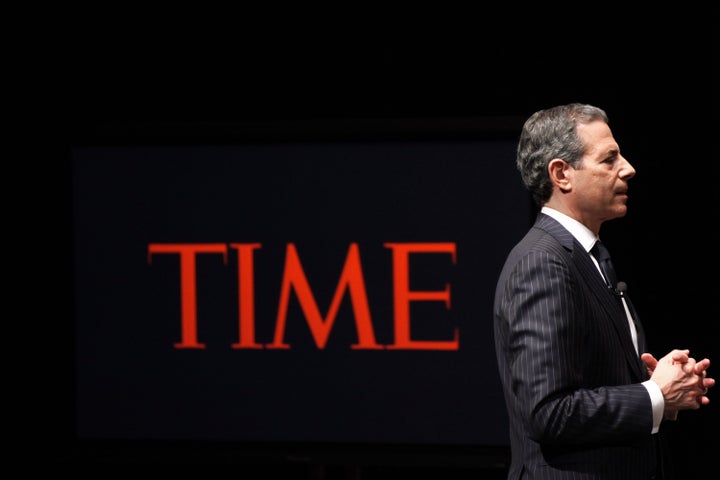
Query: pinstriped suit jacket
[(570, 374)]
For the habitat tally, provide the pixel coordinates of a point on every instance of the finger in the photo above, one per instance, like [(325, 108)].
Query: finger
[(649, 360), (689, 366), (680, 356), (702, 365)]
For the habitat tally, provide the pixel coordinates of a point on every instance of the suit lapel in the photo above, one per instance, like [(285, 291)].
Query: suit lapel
[(610, 303), (590, 275)]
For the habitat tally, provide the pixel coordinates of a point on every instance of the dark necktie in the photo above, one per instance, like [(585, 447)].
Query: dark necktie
[(602, 256)]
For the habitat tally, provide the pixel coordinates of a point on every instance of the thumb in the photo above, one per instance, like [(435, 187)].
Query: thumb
[(649, 361)]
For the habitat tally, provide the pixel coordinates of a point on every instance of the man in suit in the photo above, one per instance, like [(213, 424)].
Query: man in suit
[(585, 400)]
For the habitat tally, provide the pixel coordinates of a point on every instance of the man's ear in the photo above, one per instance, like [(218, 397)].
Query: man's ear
[(560, 174)]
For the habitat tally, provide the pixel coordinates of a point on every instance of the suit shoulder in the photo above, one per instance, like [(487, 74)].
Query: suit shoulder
[(538, 240)]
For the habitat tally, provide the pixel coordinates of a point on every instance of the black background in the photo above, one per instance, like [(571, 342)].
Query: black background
[(134, 76)]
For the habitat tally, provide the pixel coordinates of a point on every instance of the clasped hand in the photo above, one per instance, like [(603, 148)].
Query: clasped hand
[(683, 380)]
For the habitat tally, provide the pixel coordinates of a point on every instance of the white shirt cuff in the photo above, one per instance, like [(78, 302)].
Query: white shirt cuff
[(658, 403)]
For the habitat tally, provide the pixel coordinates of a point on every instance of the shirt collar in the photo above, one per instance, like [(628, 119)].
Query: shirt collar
[(582, 234)]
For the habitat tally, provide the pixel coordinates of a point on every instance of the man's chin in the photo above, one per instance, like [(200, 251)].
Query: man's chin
[(619, 212)]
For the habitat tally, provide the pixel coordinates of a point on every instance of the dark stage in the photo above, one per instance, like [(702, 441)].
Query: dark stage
[(437, 88)]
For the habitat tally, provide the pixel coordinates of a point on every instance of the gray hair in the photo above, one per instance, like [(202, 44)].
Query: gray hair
[(548, 134)]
